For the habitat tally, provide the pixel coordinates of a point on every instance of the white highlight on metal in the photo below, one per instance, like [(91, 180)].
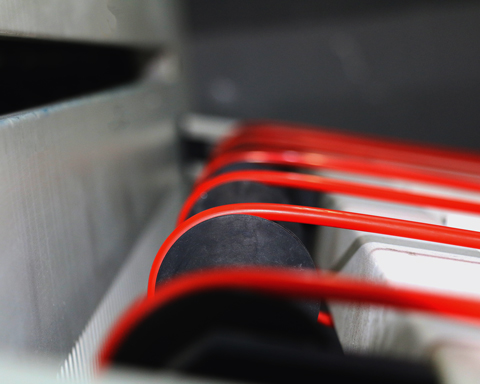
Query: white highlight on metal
[(449, 273), (463, 221)]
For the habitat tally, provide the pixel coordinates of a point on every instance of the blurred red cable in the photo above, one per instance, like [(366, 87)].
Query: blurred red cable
[(343, 164), (262, 135), (324, 184), (320, 216), (300, 146), (293, 284)]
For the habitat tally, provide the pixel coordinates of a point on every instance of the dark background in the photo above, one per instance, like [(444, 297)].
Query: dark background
[(408, 69)]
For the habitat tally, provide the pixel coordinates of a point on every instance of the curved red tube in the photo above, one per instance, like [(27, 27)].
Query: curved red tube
[(294, 284), (320, 216), (300, 146), (297, 137), (342, 164), (324, 184)]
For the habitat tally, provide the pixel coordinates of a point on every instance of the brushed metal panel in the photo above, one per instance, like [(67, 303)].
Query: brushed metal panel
[(12, 372), (147, 22), (406, 334), (130, 283), (78, 181), (457, 363)]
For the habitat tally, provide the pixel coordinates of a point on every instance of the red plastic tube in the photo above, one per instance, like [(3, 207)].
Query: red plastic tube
[(342, 164), (293, 284), (350, 142), (297, 137), (320, 216), (324, 184)]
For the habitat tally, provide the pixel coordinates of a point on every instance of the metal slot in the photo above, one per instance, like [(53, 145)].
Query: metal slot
[(36, 72)]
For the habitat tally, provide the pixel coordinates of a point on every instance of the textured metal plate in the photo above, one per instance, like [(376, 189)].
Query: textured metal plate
[(335, 244), (78, 182), (11, 372), (129, 285), (399, 261), (458, 363), (147, 22), (387, 332)]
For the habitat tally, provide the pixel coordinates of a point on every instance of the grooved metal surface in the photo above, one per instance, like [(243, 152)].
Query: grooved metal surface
[(458, 362), (139, 22), (412, 335), (129, 285), (13, 372), (404, 262), (78, 182), (335, 243)]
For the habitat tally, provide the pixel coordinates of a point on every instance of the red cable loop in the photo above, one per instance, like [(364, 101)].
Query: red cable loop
[(345, 152), (315, 138), (320, 216), (343, 164), (336, 136), (324, 184), (294, 284)]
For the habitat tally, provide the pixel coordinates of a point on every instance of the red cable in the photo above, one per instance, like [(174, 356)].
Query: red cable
[(294, 284), (324, 184), (320, 216), (343, 164), (360, 155), (325, 319), (297, 137), (369, 143)]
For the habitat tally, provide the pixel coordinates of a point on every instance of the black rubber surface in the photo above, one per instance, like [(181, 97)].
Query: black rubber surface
[(247, 192), (248, 337), (236, 240), (163, 337)]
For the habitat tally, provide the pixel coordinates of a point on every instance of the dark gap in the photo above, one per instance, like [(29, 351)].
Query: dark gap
[(194, 149), (34, 73)]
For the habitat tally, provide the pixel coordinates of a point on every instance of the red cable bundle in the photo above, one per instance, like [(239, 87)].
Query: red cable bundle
[(270, 143), (296, 285)]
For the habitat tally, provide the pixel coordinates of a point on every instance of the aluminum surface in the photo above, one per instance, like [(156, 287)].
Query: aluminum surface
[(399, 261), (334, 243), (79, 180), (129, 285), (11, 372), (458, 363), (139, 22), (396, 333)]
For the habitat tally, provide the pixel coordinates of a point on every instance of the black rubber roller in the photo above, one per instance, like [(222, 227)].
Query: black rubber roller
[(249, 167), (236, 240), (295, 196), (246, 192), (241, 336), (226, 333)]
